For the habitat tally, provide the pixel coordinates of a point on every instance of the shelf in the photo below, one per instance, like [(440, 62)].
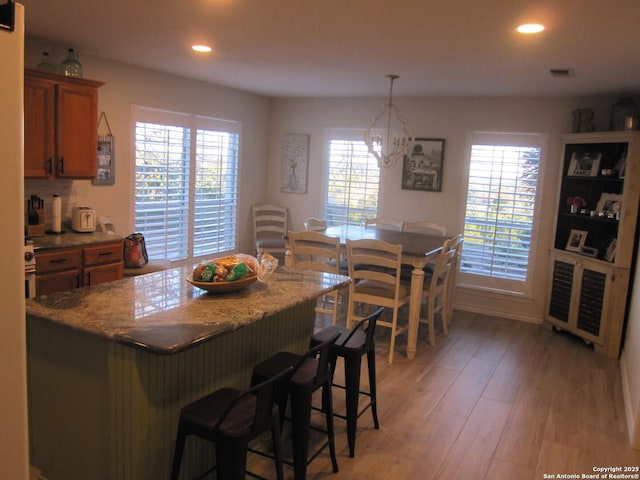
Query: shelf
[(581, 217)]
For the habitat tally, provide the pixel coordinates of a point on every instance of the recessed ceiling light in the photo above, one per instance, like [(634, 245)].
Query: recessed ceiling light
[(201, 48), (530, 28)]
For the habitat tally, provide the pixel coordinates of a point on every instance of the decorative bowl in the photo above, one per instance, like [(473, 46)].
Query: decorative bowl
[(223, 287)]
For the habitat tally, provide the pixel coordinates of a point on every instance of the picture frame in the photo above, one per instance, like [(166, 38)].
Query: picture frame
[(575, 242), (609, 205), (295, 157), (584, 164), (590, 252), (610, 252), (422, 167), (105, 159)]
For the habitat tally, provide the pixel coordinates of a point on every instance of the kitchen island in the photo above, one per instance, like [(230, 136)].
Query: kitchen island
[(111, 365)]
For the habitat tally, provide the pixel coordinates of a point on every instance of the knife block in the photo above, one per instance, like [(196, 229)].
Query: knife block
[(37, 230)]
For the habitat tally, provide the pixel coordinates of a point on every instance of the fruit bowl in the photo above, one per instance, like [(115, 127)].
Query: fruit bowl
[(223, 287)]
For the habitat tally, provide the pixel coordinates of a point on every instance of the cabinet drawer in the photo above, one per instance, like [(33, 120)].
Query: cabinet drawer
[(58, 260), (57, 281), (103, 253)]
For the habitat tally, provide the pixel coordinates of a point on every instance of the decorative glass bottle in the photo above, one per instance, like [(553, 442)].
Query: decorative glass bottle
[(71, 67), (624, 115), (46, 64)]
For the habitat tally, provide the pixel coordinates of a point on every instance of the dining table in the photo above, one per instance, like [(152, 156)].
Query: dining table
[(418, 249)]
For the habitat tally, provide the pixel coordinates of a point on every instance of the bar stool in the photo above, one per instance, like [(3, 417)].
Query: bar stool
[(311, 371), (231, 418), (352, 345)]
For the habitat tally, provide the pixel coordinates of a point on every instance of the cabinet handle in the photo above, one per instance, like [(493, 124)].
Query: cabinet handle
[(88, 282), (104, 254), (58, 260), (61, 165), (48, 166), (77, 280)]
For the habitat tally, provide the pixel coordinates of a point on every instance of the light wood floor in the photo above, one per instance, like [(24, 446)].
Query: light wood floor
[(496, 399)]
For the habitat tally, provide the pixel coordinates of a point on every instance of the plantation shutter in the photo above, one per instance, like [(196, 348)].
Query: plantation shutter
[(500, 208), (353, 179)]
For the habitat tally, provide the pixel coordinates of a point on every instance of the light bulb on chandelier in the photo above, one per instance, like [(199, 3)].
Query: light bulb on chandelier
[(387, 145)]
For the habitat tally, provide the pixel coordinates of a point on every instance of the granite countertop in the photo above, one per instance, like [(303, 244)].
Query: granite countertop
[(72, 239), (162, 313)]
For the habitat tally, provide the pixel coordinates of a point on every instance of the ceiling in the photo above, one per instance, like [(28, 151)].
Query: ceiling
[(321, 48)]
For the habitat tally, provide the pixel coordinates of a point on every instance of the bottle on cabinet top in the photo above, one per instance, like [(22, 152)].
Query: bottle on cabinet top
[(71, 67), (46, 64)]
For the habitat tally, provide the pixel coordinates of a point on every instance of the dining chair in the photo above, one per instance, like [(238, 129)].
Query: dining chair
[(384, 223), (456, 243), (310, 250), (270, 224), (374, 267), (425, 227), (316, 224), (435, 291)]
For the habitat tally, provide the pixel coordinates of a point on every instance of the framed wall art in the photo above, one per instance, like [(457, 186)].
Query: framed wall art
[(295, 153), (422, 168)]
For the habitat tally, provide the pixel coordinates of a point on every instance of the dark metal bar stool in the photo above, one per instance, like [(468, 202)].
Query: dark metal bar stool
[(312, 371), (352, 345), (231, 418)]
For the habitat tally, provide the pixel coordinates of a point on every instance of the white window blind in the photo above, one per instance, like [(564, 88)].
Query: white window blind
[(352, 179), (500, 209), (186, 184)]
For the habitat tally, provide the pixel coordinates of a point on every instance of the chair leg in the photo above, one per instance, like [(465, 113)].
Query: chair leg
[(352, 369), (327, 400), (231, 459), (431, 322), (277, 446), (300, 426), (178, 451), (371, 363), (392, 342)]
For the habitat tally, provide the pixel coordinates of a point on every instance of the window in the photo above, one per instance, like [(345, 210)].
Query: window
[(186, 184), (352, 179), (499, 220)]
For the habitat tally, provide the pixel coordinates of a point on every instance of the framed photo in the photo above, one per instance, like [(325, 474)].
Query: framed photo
[(609, 205), (295, 156), (584, 165), (422, 168), (576, 240), (590, 252), (610, 252)]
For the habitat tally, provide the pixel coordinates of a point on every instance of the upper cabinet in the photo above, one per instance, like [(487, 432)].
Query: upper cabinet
[(595, 237), (60, 126)]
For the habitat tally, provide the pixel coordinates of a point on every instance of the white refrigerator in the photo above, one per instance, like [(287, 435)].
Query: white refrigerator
[(14, 451)]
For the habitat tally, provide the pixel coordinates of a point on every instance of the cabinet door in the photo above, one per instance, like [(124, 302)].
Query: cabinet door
[(57, 281), (76, 134), (102, 273), (579, 297), (39, 128)]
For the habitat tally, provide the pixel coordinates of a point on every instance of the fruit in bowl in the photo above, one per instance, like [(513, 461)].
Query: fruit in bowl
[(225, 269)]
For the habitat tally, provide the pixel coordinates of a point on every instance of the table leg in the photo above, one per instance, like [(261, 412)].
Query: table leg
[(417, 280)]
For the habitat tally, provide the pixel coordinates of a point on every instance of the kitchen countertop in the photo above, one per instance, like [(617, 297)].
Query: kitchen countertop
[(72, 239), (162, 313)]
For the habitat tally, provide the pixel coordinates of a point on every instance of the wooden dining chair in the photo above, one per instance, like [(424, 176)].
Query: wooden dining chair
[(384, 223), (425, 227), (456, 243), (374, 267), (270, 225), (310, 250), (435, 291), (315, 224)]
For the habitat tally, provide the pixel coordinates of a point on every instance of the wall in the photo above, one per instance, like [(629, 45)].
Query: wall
[(126, 86), (451, 119)]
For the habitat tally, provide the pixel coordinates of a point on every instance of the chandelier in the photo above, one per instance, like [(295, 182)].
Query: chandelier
[(391, 142)]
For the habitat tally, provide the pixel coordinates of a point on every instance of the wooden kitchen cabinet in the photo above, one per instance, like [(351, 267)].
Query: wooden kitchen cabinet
[(58, 270), (63, 269), (60, 126), (102, 263), (594, 244)]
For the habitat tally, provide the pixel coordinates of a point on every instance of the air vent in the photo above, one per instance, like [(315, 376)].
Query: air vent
[(562, 72)]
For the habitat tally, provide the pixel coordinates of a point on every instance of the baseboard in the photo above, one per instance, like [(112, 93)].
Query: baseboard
[(633, 422), (486, 310)]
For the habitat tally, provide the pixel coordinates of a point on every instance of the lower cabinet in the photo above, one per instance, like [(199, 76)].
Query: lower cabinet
[(62, 269), (587, 297)]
